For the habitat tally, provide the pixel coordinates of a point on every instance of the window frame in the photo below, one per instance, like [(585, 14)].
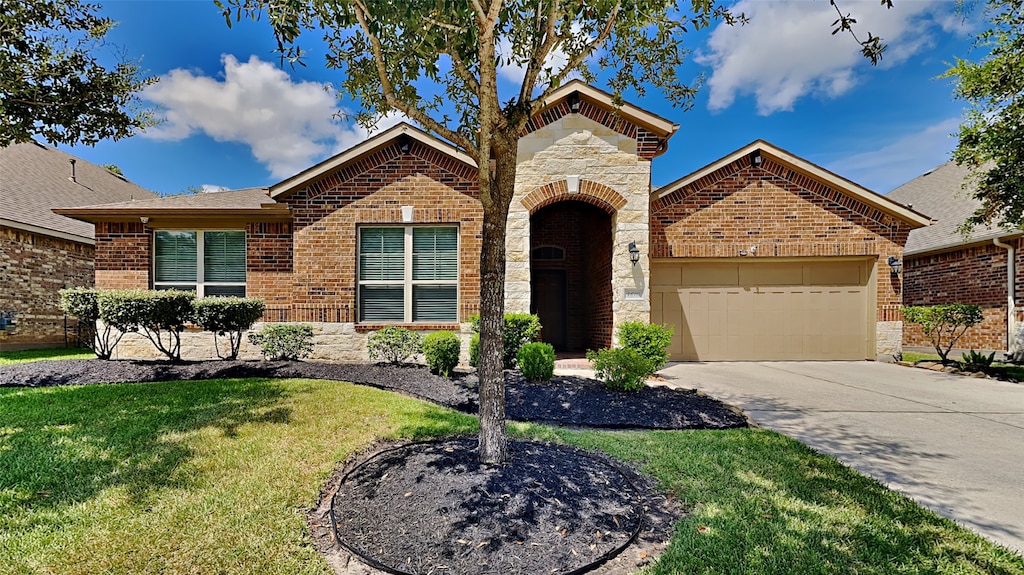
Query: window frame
[(407, 282), (200, 281)]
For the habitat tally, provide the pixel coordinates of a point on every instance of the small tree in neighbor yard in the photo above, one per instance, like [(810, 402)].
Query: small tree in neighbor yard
[(228, 316), (438, 63), (944, 325)]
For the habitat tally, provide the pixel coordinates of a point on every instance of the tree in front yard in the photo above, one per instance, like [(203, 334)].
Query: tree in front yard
[(944, 325)]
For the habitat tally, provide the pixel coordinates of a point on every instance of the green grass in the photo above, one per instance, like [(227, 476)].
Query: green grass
[(216, 476), (1009, 369), (12, 357)]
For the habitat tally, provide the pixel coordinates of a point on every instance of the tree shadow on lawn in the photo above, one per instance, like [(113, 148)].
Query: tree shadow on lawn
[(64, 445)]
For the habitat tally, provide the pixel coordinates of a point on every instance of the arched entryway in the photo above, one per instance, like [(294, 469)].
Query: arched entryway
[(571, 274)]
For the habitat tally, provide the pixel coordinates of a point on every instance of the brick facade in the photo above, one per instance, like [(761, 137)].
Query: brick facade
[(783, 214), (327, 215), (123, 255), (974, 275), (35, 268)]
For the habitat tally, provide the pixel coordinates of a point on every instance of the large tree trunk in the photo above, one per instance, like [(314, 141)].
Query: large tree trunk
[(493, 436)]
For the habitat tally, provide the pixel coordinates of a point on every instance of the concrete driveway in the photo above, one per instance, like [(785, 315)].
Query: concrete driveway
[(952, 443)]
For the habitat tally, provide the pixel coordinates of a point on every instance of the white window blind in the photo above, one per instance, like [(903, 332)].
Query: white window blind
[(408, 274)]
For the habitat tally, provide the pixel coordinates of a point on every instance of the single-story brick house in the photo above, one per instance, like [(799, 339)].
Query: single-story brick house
[(760, 255), (42, 252), (941, 266)]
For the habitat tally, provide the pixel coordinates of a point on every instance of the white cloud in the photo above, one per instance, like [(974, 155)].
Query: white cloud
[(515, 72), (891, 165), (288, 125), (787, 50), (211, 188)]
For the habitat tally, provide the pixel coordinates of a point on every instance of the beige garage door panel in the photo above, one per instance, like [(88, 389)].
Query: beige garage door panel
[(764, 322)]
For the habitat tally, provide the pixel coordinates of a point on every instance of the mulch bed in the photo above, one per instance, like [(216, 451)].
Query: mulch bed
[(565, 400), (430, 507)]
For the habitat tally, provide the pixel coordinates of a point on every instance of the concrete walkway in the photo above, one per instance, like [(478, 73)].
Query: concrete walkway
[(952, 443)]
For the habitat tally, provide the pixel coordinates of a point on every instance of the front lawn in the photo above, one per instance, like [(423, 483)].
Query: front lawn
[(12, 357), (1011, 370), (216, 477)]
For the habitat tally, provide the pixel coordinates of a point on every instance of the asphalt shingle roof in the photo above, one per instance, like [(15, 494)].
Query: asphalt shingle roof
[(35, 178), (940, 194), (244, 199)]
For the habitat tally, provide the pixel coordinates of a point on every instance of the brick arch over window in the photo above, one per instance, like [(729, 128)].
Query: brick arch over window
[(590, 192)]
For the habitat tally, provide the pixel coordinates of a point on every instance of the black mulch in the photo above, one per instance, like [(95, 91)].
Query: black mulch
[(430, 508), (565, 400)]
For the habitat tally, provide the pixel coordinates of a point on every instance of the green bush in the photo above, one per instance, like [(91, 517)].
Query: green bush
[(83, 303), (284, 341), (228, 316), (649, 340), (474, 350), (393, 344), (159, 315), (441, 349), (944, 325), (976, 361), (537, 361), (520, 328), (620, 368)]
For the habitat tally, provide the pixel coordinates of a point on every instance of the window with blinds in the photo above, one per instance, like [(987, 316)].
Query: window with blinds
[(408, 274), (209, 263)]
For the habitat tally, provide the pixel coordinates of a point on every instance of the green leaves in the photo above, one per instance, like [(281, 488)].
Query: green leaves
[(944, 325), (990, 135), (51, 84)]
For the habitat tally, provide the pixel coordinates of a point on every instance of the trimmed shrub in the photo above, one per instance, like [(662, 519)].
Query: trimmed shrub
[(944, 325), (649, 340), (620, 368), (393, 344), (83, 303), (441, 350), (537, 361), (228, 316), (520, 328), (474, 350), (161, 316), (284, 341)]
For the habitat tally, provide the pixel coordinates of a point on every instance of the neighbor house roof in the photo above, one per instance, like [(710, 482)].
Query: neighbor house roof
[(35, 178), (941, 193), (802, 166), (253, 202)]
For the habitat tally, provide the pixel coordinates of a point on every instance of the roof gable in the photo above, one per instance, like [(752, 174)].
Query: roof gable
[(35, 178), (364, 150), (942, 194), (797, 168)]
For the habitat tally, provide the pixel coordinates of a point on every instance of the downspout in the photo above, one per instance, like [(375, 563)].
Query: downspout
[(1010, 303)]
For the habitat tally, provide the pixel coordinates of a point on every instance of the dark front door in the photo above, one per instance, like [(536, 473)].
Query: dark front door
[(549, 304)]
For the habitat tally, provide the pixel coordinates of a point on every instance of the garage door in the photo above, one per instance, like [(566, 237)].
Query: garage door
[(765, 310)]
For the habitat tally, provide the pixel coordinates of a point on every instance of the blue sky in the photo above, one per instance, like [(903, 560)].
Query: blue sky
[(235, 118)]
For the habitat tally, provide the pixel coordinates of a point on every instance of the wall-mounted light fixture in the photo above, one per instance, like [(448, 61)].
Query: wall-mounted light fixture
[(634, 253), (574, 102), (756, 160), (144, 220), (895, 265)]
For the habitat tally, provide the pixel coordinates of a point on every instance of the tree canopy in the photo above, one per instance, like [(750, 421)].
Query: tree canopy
[(52, 84), (992, 132)]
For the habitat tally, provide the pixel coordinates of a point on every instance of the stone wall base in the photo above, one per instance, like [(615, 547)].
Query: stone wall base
[(888, 339)]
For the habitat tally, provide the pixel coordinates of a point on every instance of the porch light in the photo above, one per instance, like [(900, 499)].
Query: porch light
[(634, 253), (896, 265)]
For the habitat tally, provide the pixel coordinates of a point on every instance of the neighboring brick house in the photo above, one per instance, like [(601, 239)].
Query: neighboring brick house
[(942, 266), (389, 232), (42, 252)]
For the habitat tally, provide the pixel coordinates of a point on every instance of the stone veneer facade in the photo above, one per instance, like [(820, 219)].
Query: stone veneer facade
[(602, 152)]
